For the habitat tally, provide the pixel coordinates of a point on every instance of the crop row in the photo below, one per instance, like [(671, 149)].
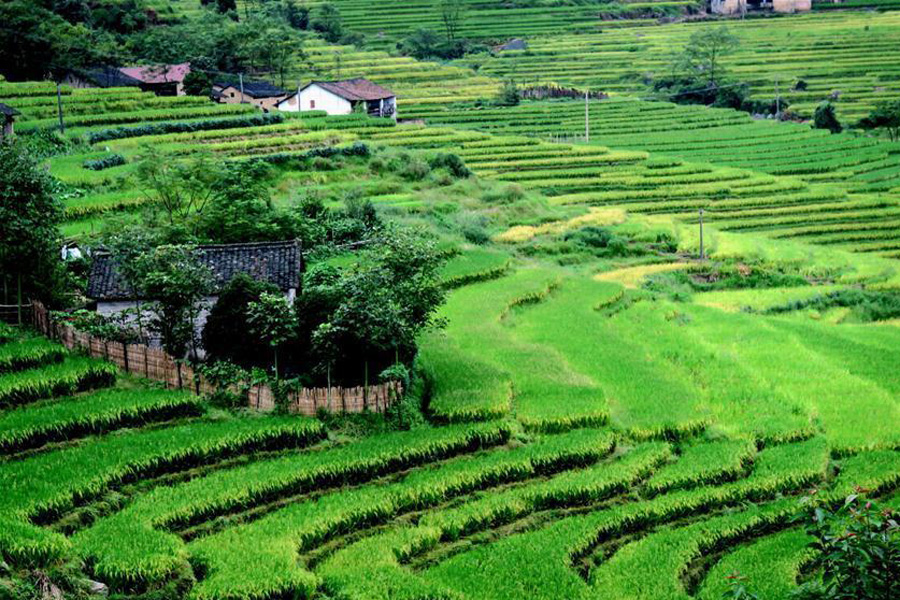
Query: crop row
[(29, 352), (72, 375), (539, 561), (109, 544), (105, 410), (303, 526), (48, 484)]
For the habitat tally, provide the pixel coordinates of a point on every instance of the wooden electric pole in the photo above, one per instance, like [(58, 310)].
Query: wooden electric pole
[(62, 126), (241, 80), (777, 101), (587, 118), (701, 235)]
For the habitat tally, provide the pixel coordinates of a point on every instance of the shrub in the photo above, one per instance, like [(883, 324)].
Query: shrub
[(825, 118), (509, 95), (507, 195), (113, 160), (415, 170), (858, 547), (452, 162), (226, 335), (115, 133)]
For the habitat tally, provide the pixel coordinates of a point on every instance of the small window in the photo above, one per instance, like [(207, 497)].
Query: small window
[(232, 94), (312, 103)]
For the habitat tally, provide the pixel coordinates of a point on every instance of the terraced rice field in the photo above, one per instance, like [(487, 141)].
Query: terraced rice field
[(851, 53), (550, 468), (849, 193), (782, 179), (489, 21)]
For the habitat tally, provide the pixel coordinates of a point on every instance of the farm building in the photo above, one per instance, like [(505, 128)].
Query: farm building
[(162, 80), (102, 77), (343, 98), (259, 93), (278, 263), (8, 114), (731, 7)]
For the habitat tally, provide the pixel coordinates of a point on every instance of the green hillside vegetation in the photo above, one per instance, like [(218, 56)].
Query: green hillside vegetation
[(606, 405)]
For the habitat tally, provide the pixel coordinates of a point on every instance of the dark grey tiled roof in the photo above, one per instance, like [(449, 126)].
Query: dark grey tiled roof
[(278, 263), (256, 89), (9, 111), (107, 77)]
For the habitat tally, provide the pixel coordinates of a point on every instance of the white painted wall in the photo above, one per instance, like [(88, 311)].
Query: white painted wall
[(317, 98)]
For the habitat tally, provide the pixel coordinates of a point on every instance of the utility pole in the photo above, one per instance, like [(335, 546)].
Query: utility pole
[(241, 80), (587, 118), (777, 101), (701, 235), (62, 126)]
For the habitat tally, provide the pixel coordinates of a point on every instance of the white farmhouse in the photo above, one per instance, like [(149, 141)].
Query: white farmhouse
[(342, 98)]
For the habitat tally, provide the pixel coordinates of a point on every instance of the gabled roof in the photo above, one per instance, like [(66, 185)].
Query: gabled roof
[(107, 77), (158, 73), (278, 263), (255, 89), (7, 110), (354, 89)]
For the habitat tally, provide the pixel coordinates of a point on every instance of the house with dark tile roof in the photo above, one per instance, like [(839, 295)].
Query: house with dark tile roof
[(102, 77), (277, 263), (162, 80), (8, 115), (263, 94), (342, 98)]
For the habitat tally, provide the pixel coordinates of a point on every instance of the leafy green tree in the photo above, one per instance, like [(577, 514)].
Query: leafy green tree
[(197, 83), (126, 245), (385, 301), (509, 94), (326, 19), (174, 279), (35, 43), (274, 48), (704, 52), (241, 208), (179, 188), (452, 14), (422, 43), (858, 550), (227, 335), (272, 319), (885, 116), (825, 118), (29, 221)]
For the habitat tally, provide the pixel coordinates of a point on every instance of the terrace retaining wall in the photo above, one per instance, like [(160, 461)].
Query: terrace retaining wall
[(157, 365)]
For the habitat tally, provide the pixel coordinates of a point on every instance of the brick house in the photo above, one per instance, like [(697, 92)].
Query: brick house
[(258, 93)]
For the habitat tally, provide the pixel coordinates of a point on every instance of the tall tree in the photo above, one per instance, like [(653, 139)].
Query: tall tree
[(29, 220), (176, 282), (452, 14), (886, 116), (326, 19), (179, 188), (825, 118), (273, 320), (704, 52)]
